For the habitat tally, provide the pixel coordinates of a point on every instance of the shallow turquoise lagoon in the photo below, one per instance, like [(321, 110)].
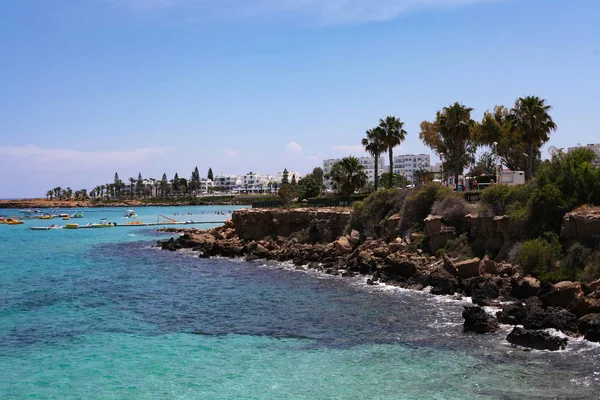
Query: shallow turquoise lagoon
[(99, 313)]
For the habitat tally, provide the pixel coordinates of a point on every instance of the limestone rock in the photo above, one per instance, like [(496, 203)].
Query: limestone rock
[(524, 286), (343, 245), (562, 294), (354, 238), (468, 268)]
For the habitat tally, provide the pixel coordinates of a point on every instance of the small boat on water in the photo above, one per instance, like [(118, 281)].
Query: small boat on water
[(102, 224), (72, 226), (66, 217), (29, 211), (46, 216), (11, 221), (45, 228), (77, 214), (130, 214)]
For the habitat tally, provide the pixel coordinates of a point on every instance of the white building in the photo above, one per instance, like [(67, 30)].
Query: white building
[(408, 164), (594, 147), (205, 185), (368, 164), (227, 183)]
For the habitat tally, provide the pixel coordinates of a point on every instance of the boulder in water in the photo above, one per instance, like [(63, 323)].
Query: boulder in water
[(536, 339), (477, 320)]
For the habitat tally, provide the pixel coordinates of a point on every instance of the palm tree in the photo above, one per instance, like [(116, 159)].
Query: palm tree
[(530, 118), (348, 175), (374, 145), (49, 194), (392, 134)]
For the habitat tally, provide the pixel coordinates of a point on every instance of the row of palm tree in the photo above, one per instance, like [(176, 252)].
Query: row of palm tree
[(384, 137), (455, 137)]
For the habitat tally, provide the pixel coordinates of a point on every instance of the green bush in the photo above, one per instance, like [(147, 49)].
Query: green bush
[(417, 205), (458, 247), (560, 185), (540, 256), (452, 209), (368, 213), (591, 272)]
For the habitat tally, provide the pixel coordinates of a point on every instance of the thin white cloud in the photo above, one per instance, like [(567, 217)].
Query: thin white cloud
[(232, 153), (43, 158), (351, 149), (328, 11), (293, 148)]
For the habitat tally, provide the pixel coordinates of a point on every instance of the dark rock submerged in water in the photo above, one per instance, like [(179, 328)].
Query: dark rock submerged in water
[(536, 339), (589, 325), (477, 320), (533, 315)]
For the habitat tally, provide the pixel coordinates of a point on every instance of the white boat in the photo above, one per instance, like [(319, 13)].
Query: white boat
[(77, 214), (130, 214), (45, 228), (29, 212), (103, 224)]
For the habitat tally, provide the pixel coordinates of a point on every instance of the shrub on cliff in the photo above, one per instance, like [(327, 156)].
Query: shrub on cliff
[(418, 204), (452, 209), (591, 272), (367, 214), (540, 257), (562, 184)]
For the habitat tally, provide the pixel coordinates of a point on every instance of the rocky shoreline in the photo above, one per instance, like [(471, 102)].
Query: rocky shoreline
[(315, 240)]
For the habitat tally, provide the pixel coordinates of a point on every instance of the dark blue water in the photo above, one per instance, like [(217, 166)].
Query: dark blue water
[(98, 313)]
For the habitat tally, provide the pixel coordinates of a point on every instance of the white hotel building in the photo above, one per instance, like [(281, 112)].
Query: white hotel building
[(408, 164)]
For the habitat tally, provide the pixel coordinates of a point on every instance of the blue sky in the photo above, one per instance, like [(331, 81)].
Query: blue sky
[(97, 86)]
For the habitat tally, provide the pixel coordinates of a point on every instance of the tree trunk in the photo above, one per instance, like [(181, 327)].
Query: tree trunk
[(456, 175), (376, 164), (529, 173), (391, 177)]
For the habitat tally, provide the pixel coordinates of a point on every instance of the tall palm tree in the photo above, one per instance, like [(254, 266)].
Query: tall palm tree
[(374, 145), (49, 194), (530, 118), (348, 175), (392, 133)]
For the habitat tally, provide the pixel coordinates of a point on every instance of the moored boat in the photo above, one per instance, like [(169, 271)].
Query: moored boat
[(130, 214), (46, 216), (77, 214), (45, 228), (72, 226)]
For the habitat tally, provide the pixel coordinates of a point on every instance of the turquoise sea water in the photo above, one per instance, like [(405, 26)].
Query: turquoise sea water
[(99, 313)]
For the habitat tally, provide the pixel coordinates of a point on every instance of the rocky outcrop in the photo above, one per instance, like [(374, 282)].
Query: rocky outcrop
[(581, 225), (524, 286), (533, 315), (589, 325), (477, 320), (536, 339), (489, 233), (561, 294), (321, 225)]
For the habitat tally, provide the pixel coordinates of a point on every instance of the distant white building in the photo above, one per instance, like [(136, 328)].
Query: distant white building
[(368, 164), (594, 147), (408, 164), (205, 185), (227, 183)]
